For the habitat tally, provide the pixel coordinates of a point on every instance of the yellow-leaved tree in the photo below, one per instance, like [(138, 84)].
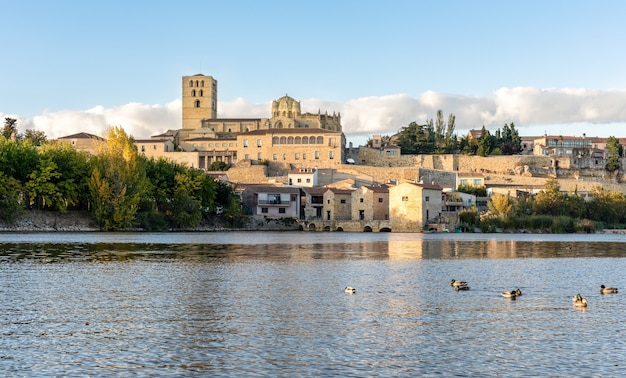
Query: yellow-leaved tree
[(500, 205), (118, 181)]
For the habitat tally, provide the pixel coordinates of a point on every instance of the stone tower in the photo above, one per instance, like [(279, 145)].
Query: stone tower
[(199, 100)]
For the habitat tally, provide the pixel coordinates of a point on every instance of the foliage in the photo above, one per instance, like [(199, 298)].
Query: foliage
[(11, 206), (10, 128), (218, 166), (614, 150), (118, 181), (500, 205), (478, 191), (36, 137), (436, 136)]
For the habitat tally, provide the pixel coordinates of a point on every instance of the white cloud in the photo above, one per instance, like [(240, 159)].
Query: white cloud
[(533, 110)]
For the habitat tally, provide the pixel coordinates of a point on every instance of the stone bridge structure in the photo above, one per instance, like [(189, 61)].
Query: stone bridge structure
[(346, 225)]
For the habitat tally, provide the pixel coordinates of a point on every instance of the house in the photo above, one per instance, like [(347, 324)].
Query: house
[(154, 147), (272, 201), (370, 203), (413, 206), (83, 142), (337, 204), (475, 179), (303, 177), (312, 203)]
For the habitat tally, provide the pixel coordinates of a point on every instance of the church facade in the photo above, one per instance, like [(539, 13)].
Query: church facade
[(288, 137)]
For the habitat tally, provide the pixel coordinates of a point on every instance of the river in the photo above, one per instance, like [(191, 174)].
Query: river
[(271, 304)]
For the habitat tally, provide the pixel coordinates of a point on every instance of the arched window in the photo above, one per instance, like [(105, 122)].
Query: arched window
[(289, 114), (284, 113), (196, 83), (193, 92), (197, 104), (191, 83), (290, 140), (298, 140), (283, 140), (279, 125), (201, 93), (305, 140), (202, 83), (312, 140), (275, 140), (320, 140)]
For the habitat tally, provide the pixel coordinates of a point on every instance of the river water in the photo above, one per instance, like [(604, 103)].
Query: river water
[(265, 304)]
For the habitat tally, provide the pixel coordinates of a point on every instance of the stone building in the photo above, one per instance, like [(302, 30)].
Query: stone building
[(370, 203), (412, 206), (83, 142)]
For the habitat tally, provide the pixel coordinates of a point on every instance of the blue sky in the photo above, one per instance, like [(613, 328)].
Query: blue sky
[(548, 66)]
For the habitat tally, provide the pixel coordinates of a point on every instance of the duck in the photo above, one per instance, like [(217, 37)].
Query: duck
[(577, 298), (581, 303), (509, 294), (455, 283), (607, 290), (518, 292), (349, 290), (458, 288)]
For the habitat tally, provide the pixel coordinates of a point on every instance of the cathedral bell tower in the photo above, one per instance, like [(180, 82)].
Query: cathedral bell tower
[(199, 100)]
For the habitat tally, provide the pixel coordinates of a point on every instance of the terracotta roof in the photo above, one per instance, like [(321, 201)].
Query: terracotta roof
[(469, 174), (272, 189)]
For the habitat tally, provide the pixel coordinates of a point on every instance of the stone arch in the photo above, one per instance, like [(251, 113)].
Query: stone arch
[(340, 229), (283, 140), (290, 140), (367, 229), (305, 140), (385, 229), (312, 227), (275, 140), (327, 228), (298, 140), (320, 140), (312, 139)]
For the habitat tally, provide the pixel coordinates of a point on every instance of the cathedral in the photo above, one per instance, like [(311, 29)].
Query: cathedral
[(288, 136)]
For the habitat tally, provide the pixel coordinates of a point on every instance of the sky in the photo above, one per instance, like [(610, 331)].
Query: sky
[(556, 67)]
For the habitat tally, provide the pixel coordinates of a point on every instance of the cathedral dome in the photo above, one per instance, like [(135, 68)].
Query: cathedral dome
[(286, 107)]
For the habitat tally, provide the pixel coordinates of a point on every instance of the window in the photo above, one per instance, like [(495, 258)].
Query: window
[(317, 154), (427, 198), (281, 210), (197, 104), (264, 210), (476, 181), (245, 143), (297, 156), (143, 148), (193, 92), (284, 156), (308, 181), (361, 200), (380, 200), (343, 201), (331, 154), (303, 156), (274, 157), (299, 180), (258, 142), (258, 156), (405, 199), (246, 157), (201, 92)]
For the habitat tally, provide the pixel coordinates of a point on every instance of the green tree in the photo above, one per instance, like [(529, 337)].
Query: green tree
[(11, 206), (118, 181), (218, 166), (615, 150), (36, 137), (10, 128), (485, 143), (550, 201), (42, 189), (416, 139)]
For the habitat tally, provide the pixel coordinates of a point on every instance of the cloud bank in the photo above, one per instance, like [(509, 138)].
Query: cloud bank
[(533, 110)]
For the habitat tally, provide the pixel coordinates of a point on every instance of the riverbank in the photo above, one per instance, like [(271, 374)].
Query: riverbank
[(82, 221)]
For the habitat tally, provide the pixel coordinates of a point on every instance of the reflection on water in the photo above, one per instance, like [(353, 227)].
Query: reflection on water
[(272, 304)]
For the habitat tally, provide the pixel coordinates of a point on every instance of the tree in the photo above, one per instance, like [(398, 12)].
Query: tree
[(218, 166), (500, 205), (614, 150), (485, 143), (550, 201), (118, 181), (10, 205), (10, 128), (36, 137)]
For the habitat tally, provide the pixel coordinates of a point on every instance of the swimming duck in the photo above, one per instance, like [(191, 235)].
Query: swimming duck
[(577, 298), (349, 290), (607, 290), (581, 303), (458, 288), (518, 292), (509, 294), (455, 283)]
